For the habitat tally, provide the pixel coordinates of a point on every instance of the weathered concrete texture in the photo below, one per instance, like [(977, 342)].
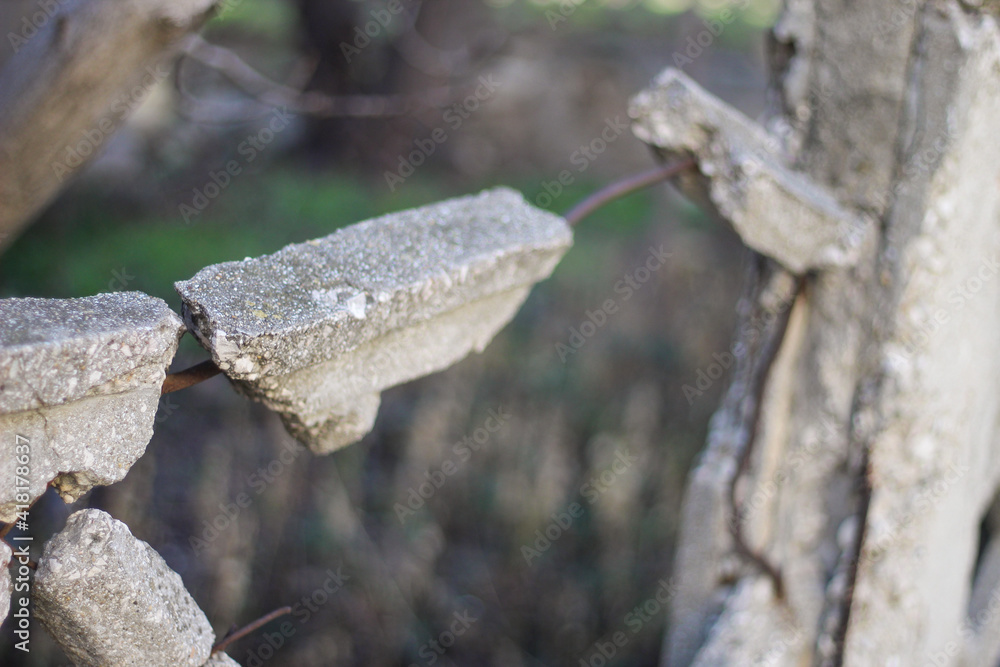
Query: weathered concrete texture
[(79, 385), (6, 584), (349, 385), (776, 211), (109, 599), (934, 468), (758, 632), (895, 110), (67, 82), (318, 329), (221, 660)]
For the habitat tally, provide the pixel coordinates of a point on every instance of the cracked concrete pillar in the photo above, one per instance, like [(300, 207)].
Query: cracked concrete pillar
[(318, 329), (79, 386), (838, 515)]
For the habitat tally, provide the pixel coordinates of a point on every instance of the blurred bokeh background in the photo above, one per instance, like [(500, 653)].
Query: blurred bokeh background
[(560, 72)]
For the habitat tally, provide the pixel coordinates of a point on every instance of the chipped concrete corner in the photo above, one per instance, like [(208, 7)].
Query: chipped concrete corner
[(317, 330), (776, 211), (109, 599), (79, 386)]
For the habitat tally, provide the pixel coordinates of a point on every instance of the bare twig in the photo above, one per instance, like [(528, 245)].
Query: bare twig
[(624, 187), (190, 377), (233, 636), (270, 93)]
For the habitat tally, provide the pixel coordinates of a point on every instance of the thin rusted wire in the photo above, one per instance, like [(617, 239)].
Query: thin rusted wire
[(247, 629), (190, 377), (626, 186)]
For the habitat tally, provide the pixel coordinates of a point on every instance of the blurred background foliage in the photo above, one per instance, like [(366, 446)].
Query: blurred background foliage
[(120, 226)]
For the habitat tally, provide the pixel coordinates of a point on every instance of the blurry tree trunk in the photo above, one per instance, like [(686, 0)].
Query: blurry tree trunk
[(356, 46), (76, 75), (876, 460), (363, 48), (332, 32)]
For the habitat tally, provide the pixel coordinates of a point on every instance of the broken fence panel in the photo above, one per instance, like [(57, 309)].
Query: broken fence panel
[(318, 329), (79, 387)]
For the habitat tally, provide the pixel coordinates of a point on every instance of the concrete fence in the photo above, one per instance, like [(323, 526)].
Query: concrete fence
[(315, 332)]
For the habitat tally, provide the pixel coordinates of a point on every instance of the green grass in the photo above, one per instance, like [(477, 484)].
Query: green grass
[(646, 17), (273, 19)]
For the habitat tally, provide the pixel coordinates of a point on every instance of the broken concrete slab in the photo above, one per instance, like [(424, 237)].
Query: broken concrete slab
[(79, 385), (109, 599), (318, 329), (778, 212), (348, 386)]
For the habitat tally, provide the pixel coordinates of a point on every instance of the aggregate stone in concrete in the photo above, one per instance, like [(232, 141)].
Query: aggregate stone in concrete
[(79, 385), (6, 584), (318, 329), (109, 599)]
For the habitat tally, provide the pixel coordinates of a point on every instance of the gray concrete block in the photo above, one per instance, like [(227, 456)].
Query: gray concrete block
[(742, 175), (318, 329), (109, 599), (79, 383)]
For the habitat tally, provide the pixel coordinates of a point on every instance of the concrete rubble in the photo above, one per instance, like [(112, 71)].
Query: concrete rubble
[(109, 599), (776, 211), (317, 330), (79, 386)]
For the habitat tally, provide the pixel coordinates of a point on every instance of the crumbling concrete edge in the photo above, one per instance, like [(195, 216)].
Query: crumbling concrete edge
[(777, 211)]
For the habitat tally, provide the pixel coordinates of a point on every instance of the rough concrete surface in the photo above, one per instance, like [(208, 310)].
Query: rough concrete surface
[(334, 404), (109, 599), (6, 584), (873, 481), (318, 329), (79, 385)]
